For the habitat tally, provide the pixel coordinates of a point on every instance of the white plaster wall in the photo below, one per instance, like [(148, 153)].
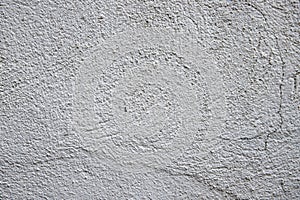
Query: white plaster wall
[(149, 99)]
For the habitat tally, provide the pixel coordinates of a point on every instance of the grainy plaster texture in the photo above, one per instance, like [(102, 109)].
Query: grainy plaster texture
[(149, 99)]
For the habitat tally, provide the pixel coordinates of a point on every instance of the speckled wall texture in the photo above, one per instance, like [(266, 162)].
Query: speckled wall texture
[(149, 99)]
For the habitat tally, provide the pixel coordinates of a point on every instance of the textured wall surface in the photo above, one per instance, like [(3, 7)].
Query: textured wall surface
[(149, 99)]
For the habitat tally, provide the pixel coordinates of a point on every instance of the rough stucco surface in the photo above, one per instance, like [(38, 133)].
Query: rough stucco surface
[(149, 100)]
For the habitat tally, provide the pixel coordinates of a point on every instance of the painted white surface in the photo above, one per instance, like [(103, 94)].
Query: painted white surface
[(149, 100)]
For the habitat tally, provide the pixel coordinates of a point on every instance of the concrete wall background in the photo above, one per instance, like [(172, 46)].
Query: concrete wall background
[(149, 100)]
